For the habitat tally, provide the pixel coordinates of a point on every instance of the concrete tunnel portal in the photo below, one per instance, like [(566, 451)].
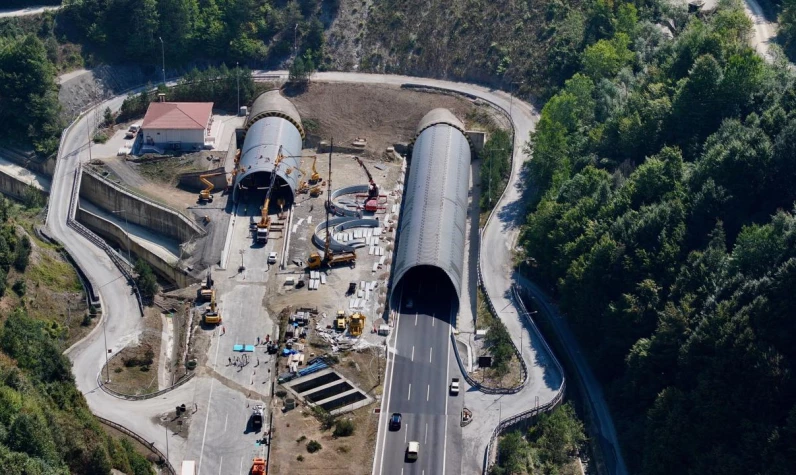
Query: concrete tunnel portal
[(273, 124), (429, 259)]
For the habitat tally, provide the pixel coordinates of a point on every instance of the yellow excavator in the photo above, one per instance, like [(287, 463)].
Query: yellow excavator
[(330, 258), (206, 290), (264, 225), (212, 317)]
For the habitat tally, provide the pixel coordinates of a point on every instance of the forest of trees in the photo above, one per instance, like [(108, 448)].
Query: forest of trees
[(663, 222), (250, 31), (29, 108)]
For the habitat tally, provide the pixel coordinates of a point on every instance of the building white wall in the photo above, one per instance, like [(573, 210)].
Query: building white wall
[(162, 138)]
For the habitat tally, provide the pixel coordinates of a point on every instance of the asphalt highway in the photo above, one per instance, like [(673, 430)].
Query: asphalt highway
[(419, 375)]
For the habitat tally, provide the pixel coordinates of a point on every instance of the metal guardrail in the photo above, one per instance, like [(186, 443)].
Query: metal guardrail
[(141, 397), (146, 443)]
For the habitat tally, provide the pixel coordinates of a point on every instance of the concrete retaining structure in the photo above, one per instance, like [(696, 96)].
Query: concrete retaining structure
[(111, 232), (16, 188), (138, 210)]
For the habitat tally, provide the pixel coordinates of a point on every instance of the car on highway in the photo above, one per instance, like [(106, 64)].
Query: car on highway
[(272, 258), (412, 450), (395, 421)]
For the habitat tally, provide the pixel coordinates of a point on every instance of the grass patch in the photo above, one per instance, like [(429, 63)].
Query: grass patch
[(167, 170), (55, 274)]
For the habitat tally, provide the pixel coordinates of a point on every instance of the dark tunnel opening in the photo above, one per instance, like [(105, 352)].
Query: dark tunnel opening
[(426, 289)]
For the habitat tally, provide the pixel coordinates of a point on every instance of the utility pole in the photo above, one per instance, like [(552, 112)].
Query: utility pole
[(237, 70), (163, 55), (167, 443)]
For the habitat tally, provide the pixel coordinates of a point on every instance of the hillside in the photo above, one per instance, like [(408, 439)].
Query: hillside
[(663, 223), (45, 424)]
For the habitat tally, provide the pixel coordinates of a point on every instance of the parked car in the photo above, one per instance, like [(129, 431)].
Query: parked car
[(272, 258)]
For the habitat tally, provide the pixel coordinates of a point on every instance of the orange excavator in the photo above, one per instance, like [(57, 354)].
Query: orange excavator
[(206, 194), (258, 461)]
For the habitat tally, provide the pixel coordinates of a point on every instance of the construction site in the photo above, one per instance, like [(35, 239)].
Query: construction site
[(273, 248)]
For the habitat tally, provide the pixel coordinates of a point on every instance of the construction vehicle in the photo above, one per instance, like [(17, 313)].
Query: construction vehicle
[(212, 317), (356, 324), (264, 225), (206, 290), (257, 417), (316, 177), (258, 466), (340, 321), (330, 258), (206, 194), (372, 198), (316, 191)]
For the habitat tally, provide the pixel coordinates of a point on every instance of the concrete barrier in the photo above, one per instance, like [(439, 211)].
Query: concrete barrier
[(137, 209), (111, 232)]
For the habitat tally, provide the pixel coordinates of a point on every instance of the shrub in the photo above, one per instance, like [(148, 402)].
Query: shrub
[(86, 320), (343, 428), (300, 458), (313, 446), (100, 137), (19, 287), (301, 439)]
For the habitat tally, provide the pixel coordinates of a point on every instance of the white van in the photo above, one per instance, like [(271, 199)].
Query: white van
[(412, 450)]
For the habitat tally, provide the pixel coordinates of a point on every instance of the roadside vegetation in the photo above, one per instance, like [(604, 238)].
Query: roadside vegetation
[(549, 446), (45, 424), (495, 167), (663, 220)]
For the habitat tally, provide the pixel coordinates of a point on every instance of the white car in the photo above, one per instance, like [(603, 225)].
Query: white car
[(272, 257)]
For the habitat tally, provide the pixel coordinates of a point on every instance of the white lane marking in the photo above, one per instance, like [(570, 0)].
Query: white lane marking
[(413, 353), (240, 470), (207, 417), (428, 391), (425, 441), (226, 419), (447, 374), (389, 393), (220, 463), (416, 319), (430, 352), (406, 432), (432, 321), (409, 396)]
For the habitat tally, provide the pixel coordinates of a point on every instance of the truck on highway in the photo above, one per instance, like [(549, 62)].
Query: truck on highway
[(454, 387)]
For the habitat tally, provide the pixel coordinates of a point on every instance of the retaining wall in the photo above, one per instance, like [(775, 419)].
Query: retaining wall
[(110, 231), (12, 186), (138, 210)]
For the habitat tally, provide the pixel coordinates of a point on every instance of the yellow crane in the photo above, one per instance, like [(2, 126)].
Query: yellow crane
[(329, 258), (316, 177), (264, 225)]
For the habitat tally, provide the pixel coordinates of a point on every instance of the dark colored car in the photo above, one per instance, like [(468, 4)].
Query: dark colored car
[(395, 421)]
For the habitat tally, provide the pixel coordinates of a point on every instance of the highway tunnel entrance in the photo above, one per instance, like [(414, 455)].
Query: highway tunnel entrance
[(425, 288)]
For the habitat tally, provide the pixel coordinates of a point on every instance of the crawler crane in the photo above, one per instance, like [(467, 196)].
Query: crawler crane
[(372, 199)]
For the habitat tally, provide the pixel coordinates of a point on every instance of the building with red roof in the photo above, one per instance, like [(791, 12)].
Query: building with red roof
[(177, 125)]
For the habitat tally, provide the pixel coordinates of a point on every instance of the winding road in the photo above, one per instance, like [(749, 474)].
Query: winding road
[(121, 319)]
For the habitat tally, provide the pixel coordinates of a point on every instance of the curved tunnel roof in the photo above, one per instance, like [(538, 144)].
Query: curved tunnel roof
[(434, 215), (273, 104), (273, 122)]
